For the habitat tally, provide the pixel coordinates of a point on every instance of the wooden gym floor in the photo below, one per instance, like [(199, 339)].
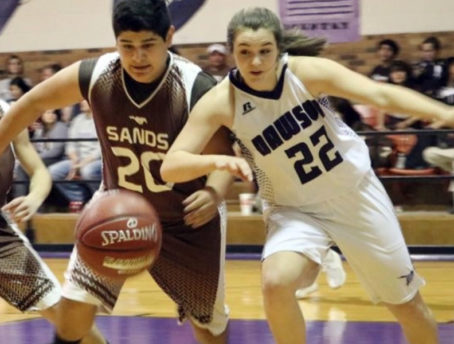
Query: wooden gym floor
[(144, 314)]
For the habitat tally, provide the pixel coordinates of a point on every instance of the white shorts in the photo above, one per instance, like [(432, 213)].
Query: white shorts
[(363, 225)]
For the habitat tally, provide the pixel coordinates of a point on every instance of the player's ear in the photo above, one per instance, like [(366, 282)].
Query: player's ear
[(169, 36)]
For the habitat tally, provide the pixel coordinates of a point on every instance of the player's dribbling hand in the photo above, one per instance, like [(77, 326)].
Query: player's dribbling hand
[(235, 166), (21, 208), (200, 207)]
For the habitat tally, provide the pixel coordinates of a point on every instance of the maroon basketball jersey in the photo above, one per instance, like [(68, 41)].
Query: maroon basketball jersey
[(136, 134), (6, 164)]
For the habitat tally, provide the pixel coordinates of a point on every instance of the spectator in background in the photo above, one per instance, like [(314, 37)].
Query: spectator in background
[(83, 160), (47, 71), (50, 127), (429, 70), (446, 91), (387, 51), (17, 88), (217, 61), (441, 154), (67, 113), (14, 68), (400, 73)]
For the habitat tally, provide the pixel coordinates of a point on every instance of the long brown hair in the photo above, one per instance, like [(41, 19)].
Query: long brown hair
[(292, 41)]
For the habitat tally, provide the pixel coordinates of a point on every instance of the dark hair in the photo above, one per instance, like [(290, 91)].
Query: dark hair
[(138, 15), (21, 83), (292, 41), (350, 116), (445, 74), (392, 44), (14, 57), (402, 66), (54, 67), (434, 41)]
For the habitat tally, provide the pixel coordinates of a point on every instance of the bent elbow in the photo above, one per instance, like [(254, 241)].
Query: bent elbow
[(166, 171)]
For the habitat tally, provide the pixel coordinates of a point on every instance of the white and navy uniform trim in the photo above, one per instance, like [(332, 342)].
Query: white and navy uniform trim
[(315, 176)]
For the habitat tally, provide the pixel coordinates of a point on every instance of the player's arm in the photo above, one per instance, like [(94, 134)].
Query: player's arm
[(184, 162), (324, 76), (220, 143), (22, 208), (60, 90)]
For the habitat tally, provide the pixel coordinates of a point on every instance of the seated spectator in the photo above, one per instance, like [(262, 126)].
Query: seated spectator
[(429, 70), (411, 147), (47, 71), (217, 61), (68, 112), (17, 88), (83, 160), (442, 158), (446, 91), (400, 73), (14, 68), (50, 127), (387, 51)]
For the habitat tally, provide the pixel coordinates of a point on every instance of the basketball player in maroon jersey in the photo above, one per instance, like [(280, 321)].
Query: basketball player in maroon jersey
[(26, 281), (141, 97)]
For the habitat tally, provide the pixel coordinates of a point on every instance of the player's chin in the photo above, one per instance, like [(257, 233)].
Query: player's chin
[(142, 76)]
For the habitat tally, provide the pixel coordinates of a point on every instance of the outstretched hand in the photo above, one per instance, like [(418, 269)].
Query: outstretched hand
[(21, 208), (235, 166)]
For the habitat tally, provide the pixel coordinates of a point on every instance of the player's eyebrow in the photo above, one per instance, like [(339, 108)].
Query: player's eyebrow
[(146, 40)]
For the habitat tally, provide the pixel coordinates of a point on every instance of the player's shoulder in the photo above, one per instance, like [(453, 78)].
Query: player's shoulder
[(298, 64), (218, 99)]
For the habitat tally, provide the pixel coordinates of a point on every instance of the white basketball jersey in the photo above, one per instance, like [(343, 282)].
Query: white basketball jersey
[(300, 151)]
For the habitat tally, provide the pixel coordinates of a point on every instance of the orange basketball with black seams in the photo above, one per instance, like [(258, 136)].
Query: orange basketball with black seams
[(118, 234)]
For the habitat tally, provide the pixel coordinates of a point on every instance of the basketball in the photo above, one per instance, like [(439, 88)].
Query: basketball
[(118, 234)]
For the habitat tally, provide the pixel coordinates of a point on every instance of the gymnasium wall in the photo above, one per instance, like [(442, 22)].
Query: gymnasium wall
[(47, 31)]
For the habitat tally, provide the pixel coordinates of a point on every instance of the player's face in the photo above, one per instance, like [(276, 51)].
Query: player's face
[(385, 53), (428, 52), (143, 54), (256, 55)]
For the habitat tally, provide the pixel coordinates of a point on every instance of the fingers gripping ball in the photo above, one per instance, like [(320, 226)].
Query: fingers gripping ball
[(118, 234)]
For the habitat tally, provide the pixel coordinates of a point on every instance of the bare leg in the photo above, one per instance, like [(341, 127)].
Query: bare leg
[(281, 276), (416, 320), (204, 336), (93, 337), (75, 320)]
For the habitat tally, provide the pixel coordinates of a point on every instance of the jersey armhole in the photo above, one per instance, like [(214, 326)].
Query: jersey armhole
[(202, 84), (85, 72)]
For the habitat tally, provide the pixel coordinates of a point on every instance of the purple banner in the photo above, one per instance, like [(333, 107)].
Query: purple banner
[(336, 20), (7, 8)]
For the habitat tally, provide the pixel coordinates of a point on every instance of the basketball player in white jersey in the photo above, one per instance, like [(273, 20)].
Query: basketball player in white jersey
[(313, 171)]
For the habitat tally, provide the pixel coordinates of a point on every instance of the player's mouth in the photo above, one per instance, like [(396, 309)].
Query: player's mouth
[(256, 73)]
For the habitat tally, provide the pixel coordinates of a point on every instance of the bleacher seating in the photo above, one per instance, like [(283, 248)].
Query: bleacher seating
[(419, 227)]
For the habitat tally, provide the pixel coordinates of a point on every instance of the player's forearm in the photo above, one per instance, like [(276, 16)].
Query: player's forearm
[(40, 184), (181, 166), (18, 118), (220, 182), (404, 100)]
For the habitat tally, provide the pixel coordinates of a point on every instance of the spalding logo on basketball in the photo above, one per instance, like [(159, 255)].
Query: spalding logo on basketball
[(118, 234)]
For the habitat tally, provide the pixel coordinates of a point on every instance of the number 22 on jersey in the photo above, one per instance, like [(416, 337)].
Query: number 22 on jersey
[(329, 157)]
